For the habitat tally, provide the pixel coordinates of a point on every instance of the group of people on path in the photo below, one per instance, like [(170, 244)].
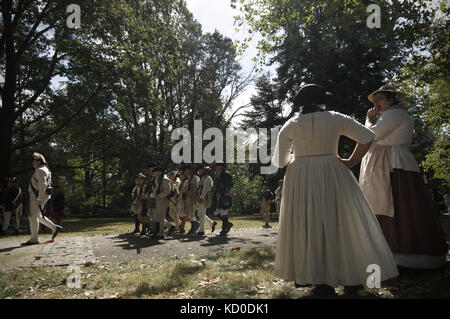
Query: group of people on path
[(332, 228), (185, 195)]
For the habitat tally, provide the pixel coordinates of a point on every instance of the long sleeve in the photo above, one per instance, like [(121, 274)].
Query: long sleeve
[(283, 148), (193, 186), (207, 185), (355, 130), (43, 177), (389, 121), (165, 188)]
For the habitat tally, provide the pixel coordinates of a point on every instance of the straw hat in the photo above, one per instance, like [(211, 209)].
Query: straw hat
[(388, 88)]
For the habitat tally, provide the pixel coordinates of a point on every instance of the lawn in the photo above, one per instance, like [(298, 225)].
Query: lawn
[(237, 273), (99, 226), (232, 274)]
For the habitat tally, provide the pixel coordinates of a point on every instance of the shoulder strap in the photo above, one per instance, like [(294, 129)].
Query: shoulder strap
[(19, 194)]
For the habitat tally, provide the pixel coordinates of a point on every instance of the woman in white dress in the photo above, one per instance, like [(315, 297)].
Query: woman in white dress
[(391, 180), (328, 233)]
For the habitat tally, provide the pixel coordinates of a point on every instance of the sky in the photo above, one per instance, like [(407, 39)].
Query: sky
[(218, 15)]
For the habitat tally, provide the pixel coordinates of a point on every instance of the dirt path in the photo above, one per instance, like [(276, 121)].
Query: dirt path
[(125, 247)]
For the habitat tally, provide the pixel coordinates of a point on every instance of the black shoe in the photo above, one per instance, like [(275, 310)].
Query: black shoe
[(144, 230), (57, 230), (228, 228), (171, 230), (213, 227), (201, 233), (194, 228), (352, 290), (29, 243), (301, 286), (323, 291), (181, 231), (223, 233), (136, 230)]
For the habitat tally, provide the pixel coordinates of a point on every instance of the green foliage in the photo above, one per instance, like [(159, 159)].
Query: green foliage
[(133, 72), (246, 189), (328, 43)]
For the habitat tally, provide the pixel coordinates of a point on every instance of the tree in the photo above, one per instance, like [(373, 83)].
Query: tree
[(34, 48), (329, 43)]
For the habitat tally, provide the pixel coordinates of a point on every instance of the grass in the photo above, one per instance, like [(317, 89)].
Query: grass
[(234, 274), (99, 226), (245, 273)]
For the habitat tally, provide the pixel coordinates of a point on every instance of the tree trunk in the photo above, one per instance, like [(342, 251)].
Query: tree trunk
[(7, 116), (6, 128), (103, 183)]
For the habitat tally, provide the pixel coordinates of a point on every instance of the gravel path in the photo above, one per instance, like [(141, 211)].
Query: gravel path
[(124, 247)]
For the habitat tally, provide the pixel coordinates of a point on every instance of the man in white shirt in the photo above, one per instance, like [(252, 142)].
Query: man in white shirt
[(204, 199), (39, 195)]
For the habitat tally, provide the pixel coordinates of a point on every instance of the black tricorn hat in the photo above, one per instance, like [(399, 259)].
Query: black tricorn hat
[(185, 167), (219, 164), (159, 169), (204, 166), (313, 94)]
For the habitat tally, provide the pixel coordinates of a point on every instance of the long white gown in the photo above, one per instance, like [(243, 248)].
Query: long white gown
[(328, 233)]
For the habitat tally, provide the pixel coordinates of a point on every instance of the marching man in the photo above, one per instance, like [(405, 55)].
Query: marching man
[(266, 200), (161, 189), (13, 206), (204, 199), (137, 204), (181, 202), (149, 203), (223, 196), (173, 200), (39, 195), (191, 197)]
